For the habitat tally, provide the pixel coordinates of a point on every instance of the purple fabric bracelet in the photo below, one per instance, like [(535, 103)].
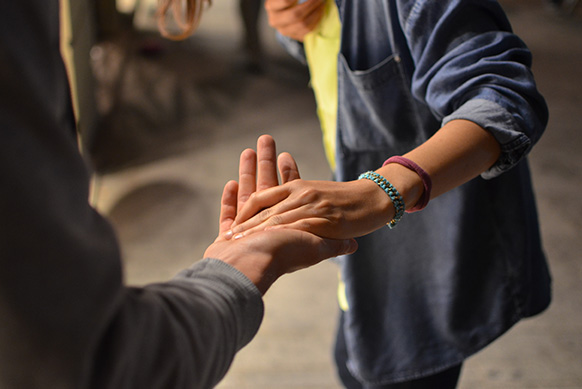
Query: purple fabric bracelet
[(426, 181)]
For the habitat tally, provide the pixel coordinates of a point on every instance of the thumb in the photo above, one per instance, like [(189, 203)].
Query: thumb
[(335, 247), (227, 206)]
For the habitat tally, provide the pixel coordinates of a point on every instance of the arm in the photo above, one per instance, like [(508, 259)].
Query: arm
[(480, 85), (472, 67), (278, 252), (65, 313), (355, 208), (460, 151)]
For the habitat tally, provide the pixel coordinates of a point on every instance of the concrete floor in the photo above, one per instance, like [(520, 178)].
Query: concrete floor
[(175, 121)]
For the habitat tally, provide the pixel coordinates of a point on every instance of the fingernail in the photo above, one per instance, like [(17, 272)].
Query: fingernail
[(238, 236), (228, 234)]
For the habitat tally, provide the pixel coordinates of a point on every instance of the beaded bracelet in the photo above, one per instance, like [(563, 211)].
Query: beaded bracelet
[(391, 191), (426, 181)]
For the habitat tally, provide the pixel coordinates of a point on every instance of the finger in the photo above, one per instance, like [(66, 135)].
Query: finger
[(335, 247), (287, 168), (266, 163), (292, 8), (297, 20), (247, 174), (283, 215), (278, 5), (315, 225), (314, 10), (311, 249), (228, 204), (299, 30), (313, 19), (274, 224), (263, 202)]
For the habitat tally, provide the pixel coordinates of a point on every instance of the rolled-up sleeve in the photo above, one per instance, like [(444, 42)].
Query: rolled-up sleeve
[(469, 65)]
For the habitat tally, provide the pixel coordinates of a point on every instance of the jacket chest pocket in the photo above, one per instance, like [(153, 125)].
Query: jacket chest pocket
[(376, 110)]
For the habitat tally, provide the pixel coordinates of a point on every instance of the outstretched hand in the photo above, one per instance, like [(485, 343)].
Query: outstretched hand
[(337, 210), (257, 171), (265, 256)]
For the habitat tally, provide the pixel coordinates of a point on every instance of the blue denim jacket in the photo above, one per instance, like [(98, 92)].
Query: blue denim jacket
[(452, 278)]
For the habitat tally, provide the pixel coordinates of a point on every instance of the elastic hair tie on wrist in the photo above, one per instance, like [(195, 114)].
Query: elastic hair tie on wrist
[(391, 191), (426, 181)]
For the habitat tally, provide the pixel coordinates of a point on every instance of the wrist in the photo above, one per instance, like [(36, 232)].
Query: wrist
[(258, 266), (379, 206), (406, 181)]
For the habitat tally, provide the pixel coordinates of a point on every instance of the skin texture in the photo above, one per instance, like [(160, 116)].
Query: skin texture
[(458, 152), (292, 19), (265, 256)]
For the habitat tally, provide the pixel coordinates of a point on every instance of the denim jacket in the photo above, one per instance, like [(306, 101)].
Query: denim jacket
[(452, 278)]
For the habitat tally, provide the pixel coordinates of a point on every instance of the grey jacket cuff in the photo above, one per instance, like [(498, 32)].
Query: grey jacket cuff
[(233, 285)]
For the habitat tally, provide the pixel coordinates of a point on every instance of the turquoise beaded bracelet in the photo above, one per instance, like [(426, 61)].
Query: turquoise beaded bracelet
[(391, 191)]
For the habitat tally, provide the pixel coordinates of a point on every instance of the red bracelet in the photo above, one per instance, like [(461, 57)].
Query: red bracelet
[(426, 181)]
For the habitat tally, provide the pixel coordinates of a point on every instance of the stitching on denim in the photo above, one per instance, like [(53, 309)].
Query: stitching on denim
[(413, 15)]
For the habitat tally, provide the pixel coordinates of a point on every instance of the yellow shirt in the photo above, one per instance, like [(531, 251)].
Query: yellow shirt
[(321, 49)]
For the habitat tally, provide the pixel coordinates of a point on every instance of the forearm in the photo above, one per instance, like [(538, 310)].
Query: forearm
[(460, 151), (475, 68)]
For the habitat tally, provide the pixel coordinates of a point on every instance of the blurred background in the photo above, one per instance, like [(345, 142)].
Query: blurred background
[(163, 124)]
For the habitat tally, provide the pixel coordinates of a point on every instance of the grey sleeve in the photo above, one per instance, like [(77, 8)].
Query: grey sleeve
[(66, 318), (179, 334)]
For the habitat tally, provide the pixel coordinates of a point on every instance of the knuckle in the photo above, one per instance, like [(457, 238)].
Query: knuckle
[(306, 225), (296, 13), (276, 220), (325, 206), (294, 185), (252, 197), (265, 214), (309, 194)]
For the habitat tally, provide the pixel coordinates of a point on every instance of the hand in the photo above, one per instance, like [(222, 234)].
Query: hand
[(265, 256), (337, 210), (292, 19), (256, 172)]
